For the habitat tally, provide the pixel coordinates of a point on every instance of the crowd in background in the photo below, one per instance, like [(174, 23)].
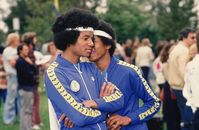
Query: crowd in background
[(21, 67)]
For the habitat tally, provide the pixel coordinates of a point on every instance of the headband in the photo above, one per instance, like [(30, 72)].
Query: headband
[(102, 33), (80, 29)]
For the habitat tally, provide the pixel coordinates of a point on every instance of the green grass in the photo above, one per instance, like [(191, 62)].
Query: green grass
[(43, 113)]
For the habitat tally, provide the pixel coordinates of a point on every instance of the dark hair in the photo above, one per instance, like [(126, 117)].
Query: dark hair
[(165, 52), (160, 46), (73, 18), (20, 48), (28, 38), (185, 32), (128, 51), (106, 27)]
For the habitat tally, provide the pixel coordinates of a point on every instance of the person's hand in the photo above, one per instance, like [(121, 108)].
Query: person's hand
[(116, 121), (90, 104), (107, 89), (62, 117), (117, 128), (67, 121)]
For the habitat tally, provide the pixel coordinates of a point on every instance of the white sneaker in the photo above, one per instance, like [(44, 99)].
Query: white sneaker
[(36, 127)]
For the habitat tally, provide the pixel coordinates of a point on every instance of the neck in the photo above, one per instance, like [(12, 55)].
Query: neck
[(22, 56), (185, 43), (68, 55), (13, 46), (104, 62), (54, 54)]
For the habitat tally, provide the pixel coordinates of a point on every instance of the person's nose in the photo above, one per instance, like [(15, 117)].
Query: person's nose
[(91, 43)]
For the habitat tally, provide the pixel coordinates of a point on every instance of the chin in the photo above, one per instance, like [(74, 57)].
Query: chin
[(93, 59)]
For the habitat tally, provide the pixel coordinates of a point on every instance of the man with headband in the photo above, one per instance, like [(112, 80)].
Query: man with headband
[(69, 83), (132, 84)]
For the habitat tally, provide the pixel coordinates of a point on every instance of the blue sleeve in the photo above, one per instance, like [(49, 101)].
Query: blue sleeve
[(151, 104), (109, 103), (67, 102)]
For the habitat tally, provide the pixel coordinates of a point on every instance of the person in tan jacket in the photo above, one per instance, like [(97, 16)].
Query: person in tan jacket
[(177, 61)]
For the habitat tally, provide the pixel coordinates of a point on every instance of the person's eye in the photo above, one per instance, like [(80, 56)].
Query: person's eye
[(86, 38)]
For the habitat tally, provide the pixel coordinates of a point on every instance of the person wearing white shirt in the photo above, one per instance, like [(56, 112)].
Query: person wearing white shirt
[(191, 88), (9, 59)]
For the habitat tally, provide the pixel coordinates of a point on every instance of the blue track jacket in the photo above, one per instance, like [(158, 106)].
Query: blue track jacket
[(68, 85), (129, 80)]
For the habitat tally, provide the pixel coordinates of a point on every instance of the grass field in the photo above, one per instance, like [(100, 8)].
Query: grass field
[(43, 112)]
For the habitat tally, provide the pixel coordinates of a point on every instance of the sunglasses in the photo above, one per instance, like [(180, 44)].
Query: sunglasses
[(193, 37)]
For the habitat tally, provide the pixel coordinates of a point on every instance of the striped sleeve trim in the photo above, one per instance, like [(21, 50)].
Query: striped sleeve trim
[(113, 97), (156, 105), (68, 98)]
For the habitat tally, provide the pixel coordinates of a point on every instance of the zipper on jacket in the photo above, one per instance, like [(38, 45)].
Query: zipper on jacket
[(80, 73)]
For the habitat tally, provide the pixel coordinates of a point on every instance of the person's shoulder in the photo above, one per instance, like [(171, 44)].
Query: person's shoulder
[(128, 68), (195, 61), (6, 50), (192, 67), (181, 47), (9, 51), (139, 49), (20, 61), (53, 67)]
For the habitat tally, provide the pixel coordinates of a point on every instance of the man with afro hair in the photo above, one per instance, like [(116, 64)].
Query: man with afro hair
[(72, 86)]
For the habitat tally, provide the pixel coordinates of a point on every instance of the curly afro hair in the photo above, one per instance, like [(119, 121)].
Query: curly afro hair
[(73, 18)]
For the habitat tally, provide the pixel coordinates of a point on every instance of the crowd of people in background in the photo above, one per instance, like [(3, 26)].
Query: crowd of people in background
[(20, 68), (174, 63)]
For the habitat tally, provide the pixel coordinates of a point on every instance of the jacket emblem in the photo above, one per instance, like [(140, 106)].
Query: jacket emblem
[(74, 86)]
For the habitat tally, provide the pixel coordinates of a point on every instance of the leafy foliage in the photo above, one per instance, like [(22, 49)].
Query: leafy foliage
[(174, 16), (125, 17), (128, 17)]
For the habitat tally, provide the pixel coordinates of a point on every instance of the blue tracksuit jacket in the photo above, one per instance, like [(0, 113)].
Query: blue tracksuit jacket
[(67, 85), (129, 80)]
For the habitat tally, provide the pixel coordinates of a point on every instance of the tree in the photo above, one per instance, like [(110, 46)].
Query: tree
[(126, 17), (174, 16), (2, 38), (20, 11), (39, 15)]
